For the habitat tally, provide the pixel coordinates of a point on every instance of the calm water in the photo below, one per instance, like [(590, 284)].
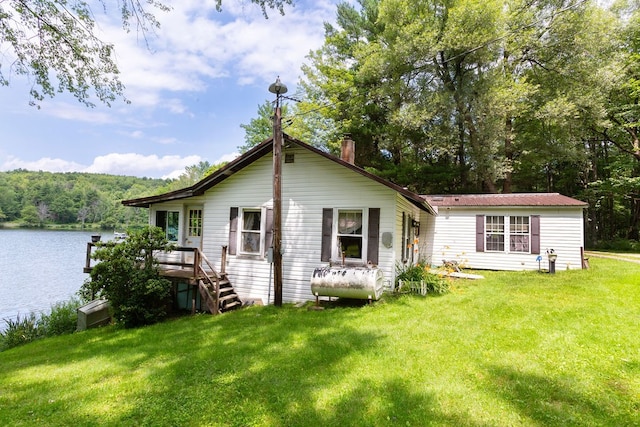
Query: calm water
[(39, 268)]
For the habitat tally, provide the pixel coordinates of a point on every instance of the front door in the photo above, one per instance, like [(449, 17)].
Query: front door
[(193, 235)]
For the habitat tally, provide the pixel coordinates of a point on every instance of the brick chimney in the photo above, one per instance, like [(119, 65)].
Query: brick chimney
[(348, 151)]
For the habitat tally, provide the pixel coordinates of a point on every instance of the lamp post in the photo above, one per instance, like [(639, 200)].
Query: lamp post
[(279, 89)]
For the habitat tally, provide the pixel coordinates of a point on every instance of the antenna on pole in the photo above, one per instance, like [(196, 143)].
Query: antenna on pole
[(278, 88)]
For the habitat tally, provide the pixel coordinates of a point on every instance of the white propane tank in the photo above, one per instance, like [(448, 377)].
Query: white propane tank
[(348, 282)]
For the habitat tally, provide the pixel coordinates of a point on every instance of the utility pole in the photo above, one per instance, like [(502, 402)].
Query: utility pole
[(278, 88)]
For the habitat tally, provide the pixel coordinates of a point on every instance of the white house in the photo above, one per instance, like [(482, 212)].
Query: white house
[(334, 212), (329, 205), (506, 231)]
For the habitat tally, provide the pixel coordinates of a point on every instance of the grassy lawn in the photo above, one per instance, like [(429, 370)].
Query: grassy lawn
[(515, 349)]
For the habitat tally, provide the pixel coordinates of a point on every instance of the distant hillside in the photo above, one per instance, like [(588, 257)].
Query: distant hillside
[(73, 199)]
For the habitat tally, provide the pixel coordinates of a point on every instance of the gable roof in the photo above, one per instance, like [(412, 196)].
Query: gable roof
[(498, 200), (256, 153)]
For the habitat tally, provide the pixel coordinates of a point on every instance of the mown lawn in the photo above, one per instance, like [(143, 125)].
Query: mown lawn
[(515, 349)]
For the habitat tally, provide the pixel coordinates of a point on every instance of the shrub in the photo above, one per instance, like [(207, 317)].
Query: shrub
[(63, 318), (20, 331), (619, 245), (421, 273), (128, 277)]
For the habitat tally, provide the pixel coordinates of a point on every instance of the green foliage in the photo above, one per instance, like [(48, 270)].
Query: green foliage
[(421, 273), (619, 245), (62, 319), (467, 96), (128, 277), (20, 331), (53, 43), (83, 199)]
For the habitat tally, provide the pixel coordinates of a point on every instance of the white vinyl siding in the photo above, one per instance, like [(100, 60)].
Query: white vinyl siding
[(451, 237), (303, 201)]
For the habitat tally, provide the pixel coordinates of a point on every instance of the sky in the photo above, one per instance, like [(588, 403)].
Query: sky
[(202, 75)]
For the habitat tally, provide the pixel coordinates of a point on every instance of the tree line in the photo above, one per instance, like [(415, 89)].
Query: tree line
[(39, 199), (491, 96)]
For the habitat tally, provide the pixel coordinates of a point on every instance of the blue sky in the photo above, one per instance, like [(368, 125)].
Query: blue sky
[(204, 74)]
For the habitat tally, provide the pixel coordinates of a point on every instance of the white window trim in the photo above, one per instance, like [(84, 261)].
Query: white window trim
[(507, 234), (263, 220), (336, 255), (528, 234)]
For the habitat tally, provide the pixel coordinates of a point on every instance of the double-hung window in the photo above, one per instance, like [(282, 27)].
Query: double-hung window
[(494, 233), (252, 232), (508, 233), (519, 234), (514, 238), (350, 233)]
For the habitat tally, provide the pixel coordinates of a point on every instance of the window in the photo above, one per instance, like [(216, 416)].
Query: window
[(522, 235), (408, 236), (494, 233), (519, 234), (251, 231), (169, 221), (350, 233), (195, 223), (354, 231)]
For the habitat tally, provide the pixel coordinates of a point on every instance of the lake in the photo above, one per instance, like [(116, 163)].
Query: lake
[(39, 268)]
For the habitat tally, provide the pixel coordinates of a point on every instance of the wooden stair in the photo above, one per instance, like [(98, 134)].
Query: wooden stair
[(227, 298), (216, 289)]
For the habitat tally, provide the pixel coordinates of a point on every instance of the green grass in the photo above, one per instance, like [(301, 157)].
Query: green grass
[(515, 349)]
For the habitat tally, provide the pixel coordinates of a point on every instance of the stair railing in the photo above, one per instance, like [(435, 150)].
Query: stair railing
[(213, 281)]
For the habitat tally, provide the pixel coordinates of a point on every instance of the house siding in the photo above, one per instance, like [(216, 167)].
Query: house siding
[(302, 205), (452, 237)]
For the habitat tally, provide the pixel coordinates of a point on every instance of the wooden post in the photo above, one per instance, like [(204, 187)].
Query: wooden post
[(223, 260), (277, 205), (196, 262), (87, 265)]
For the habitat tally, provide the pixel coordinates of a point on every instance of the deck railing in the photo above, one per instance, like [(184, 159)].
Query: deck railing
[(175, 261)]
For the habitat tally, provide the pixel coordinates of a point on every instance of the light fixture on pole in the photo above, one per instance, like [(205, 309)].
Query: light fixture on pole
[(279, 89)]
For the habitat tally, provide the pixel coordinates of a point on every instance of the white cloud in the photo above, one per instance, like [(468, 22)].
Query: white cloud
[(140, 165), (79, 113), (45, 164), (114, 163), (196, 44)]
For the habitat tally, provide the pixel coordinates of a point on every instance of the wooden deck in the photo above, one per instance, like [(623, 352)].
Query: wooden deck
[(175, 269), (191, 265)]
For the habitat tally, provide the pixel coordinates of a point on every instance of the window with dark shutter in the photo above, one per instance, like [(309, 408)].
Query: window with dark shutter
[(233, 231), (268, 237), (373, 237), (479, 233), (535, 234), (327, 231)]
